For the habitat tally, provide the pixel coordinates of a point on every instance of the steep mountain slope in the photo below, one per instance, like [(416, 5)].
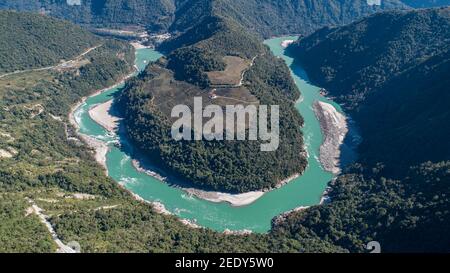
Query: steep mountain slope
[(270, 17), (389, 70), (33, 133), (153, 14), (25, 44), (275, 17), (266, 17), (408, 214), (392, 71)]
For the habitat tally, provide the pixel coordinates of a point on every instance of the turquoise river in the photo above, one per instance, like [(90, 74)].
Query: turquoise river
[(306, 190)]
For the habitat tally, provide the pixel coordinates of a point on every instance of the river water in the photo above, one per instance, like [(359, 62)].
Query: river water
[(306, 190)]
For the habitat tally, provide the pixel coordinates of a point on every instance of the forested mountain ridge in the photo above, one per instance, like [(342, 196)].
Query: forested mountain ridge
[(34, 135), (386, 60), (266, 17), (154, 14), (407, 214), (25, 44), (398, 193), (277, 17)]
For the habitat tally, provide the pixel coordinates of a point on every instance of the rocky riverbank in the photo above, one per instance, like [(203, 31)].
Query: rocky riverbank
[(334, 128)]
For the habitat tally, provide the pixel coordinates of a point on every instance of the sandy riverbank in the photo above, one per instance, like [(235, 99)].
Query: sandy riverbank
[(236, 200), (103, 115), (161, 209), (334, 128), (101, 148), (286, 43)]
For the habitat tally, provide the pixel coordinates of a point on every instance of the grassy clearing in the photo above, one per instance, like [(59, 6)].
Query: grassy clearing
[(232, 75), (167, 93)]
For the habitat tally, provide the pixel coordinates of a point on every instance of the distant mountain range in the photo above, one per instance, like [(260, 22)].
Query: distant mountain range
[(266, 17), (277, 17)]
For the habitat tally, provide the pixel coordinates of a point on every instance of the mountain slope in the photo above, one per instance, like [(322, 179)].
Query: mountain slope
[(392, 71), (375, 65), (35, 140), (275, 17), (270, 18), (153, 14), (26, 44), (266, 17)]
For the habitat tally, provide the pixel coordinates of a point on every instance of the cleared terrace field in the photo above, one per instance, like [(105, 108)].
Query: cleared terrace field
[(232, 75), (167, 92)]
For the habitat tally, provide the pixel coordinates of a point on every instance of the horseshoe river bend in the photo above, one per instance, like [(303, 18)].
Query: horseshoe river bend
[(306, 190)]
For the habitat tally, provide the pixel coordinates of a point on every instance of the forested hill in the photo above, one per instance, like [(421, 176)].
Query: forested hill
[(30, 41), (266, 17), (389, 69), (193, 60), (154, 14)]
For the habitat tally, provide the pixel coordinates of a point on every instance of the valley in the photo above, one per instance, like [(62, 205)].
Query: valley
[(86, 153)]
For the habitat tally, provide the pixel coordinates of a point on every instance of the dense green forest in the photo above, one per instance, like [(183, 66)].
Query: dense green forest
[(276, 17), (390, 70), (232, 166), (155, 15), (406, 214), (266, 17), (25, 44)]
